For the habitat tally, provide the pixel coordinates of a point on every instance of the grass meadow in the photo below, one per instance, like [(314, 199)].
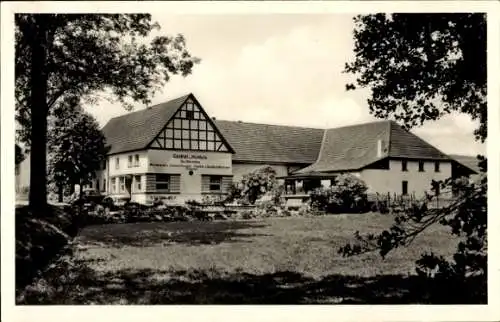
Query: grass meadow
[(267, 261)]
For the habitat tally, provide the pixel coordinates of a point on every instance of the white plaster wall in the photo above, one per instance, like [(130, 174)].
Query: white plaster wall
[(124, 168), (384, 181), (213, 163)]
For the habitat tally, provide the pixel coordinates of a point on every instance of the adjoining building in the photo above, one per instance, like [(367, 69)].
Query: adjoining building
[(176, 152)]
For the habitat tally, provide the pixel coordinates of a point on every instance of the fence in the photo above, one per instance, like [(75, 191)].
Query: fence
[(395, 200)]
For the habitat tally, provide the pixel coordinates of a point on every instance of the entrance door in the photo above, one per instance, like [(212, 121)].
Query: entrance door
[(128, 186)]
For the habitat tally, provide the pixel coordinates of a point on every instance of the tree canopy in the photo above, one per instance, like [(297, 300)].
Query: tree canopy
[(79, 56), (420, 67), (77, 146)]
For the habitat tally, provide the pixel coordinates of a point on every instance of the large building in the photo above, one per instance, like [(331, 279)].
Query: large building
[(176, 152)]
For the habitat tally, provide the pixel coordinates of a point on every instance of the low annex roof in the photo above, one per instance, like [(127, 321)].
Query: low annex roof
[(354, 147)]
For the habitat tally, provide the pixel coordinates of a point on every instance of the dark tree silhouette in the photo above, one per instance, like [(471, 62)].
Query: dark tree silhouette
[(77, 146), (68, 56), (420, 67), (19, 154)]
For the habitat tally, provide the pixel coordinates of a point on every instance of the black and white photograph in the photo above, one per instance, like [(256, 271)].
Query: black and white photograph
[(167, 157)]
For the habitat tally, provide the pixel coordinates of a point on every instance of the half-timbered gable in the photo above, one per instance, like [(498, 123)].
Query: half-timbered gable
[(191, 129)]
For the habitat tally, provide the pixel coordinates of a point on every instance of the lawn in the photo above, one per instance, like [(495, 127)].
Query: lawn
[(273, 260)]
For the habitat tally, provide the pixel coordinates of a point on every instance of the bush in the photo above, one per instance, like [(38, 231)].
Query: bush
[(214, 200), (247, 214), (379, 206), (253, 186), (346, 195), (40, 237)]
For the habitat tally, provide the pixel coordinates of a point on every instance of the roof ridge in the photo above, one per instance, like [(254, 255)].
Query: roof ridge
[(267, 124), (320, 153), (184, 97), (359, 124)]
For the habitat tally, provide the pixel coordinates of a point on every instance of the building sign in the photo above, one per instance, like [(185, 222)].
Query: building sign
[(191, 161)]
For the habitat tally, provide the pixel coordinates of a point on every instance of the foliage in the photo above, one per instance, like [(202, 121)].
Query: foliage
[(76, 146), (254, 185), (467, 218), (213, 200), (346, 194), (61, 57), (420, 67), (19, 154), (40, 238)]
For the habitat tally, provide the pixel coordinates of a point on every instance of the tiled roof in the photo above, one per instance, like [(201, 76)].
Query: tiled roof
[(339, 149), (354, 147), (271, 143), (251, 142), (134, 131), (468, 161)]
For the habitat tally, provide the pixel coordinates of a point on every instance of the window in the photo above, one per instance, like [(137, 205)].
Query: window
[(122, 184), (215, 183), (436, 166), (162, 182), (137, 183), (115, 181), (405, 187), (136, 163), (97, 185), (103, 185), (421, 166), (117, 163), (404, 165), (130, 161)]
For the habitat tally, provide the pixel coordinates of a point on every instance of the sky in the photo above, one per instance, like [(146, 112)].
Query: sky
[(281, 69)]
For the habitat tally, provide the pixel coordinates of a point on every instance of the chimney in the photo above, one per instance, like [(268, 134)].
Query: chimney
[(379, 148)]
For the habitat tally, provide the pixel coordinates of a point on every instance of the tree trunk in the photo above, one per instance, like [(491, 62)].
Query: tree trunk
[(39, 111), (60, 192)]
